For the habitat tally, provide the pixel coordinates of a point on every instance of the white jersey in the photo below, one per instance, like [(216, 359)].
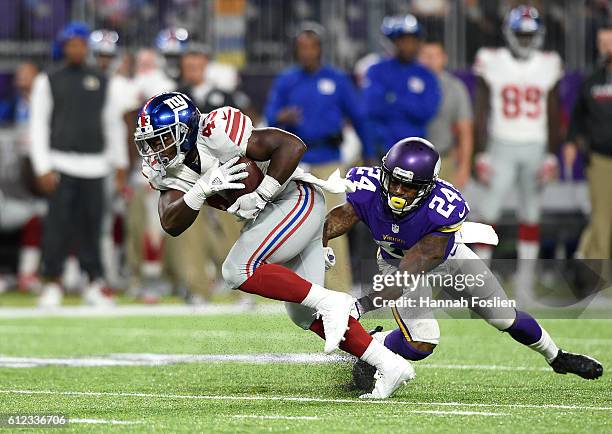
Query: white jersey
[(223, 134), (519, 90)]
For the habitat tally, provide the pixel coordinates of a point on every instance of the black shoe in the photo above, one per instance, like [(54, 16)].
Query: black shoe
[(583, 366), (363, 373)]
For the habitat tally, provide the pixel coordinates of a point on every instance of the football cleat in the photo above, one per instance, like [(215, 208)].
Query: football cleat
[(334, 310), (96, 294), (51, 296), (397, 372), (583, 366), (363, 372)]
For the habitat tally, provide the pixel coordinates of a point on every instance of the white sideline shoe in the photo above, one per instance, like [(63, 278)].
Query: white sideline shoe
[(334, 310), (95, 297), (396, 372), (51, 296)]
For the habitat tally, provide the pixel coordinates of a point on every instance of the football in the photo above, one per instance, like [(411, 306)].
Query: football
[(224, 199)]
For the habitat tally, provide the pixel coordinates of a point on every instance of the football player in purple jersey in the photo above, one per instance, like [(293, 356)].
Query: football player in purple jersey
[(418, 221)]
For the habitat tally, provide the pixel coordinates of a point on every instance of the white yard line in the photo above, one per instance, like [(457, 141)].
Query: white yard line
[(167, 359), (455, 413), (150, 359), (273, 417), (434, 412), (298, 399), (103, 421)]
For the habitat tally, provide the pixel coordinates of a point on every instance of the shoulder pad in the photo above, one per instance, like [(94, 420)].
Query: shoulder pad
[(225, 131)]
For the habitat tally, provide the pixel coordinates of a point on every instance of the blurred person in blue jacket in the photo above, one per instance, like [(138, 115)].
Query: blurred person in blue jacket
[(313, 100), (401, 95)]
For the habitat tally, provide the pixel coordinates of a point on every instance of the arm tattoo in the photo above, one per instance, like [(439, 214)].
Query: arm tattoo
[(338, 222)]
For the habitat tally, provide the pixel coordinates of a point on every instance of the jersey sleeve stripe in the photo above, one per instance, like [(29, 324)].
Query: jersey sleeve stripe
[(242, 128), (452, 228), (229, 115), (235, 125)]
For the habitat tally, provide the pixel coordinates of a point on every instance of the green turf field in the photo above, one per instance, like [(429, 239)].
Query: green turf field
[(477, 381)]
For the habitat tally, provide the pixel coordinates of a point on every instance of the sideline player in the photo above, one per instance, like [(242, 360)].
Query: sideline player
[(414, 217), (190, 157), (517, 116)]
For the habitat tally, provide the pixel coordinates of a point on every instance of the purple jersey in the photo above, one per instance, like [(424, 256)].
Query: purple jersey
[(442, 212)]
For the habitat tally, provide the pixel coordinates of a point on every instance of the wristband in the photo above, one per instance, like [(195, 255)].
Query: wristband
[(268, 188), (195, 197)]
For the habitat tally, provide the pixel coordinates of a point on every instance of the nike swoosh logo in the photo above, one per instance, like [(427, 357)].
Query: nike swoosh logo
[(224, 116), (462, 213)]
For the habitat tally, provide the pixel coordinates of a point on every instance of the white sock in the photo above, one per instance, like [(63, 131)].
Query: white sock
[(315, 295), (527, 249), (376, 354), (151, 269), (546, 346), (29, 259)]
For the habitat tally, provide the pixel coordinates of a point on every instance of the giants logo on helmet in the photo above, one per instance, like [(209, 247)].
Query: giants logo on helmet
[(176, 103)]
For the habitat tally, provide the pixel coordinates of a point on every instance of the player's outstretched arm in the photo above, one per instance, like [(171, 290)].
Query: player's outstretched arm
[(174, 214), (423, 257), (339, 221), (283, 149)]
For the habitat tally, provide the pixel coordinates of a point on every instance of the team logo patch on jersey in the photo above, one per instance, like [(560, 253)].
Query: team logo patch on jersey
[(395, 228), (91, 82), (326, 86), (416, 85)]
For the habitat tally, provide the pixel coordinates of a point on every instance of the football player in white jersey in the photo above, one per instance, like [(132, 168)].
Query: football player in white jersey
[(191, 158), (517, 117)]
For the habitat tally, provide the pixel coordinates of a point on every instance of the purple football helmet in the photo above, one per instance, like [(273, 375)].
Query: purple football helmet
[(415, 163)]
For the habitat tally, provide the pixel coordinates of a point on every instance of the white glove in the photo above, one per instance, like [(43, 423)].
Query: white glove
[(216, 179), (249, 206), (549, 169), (484, 169), (330, 258)]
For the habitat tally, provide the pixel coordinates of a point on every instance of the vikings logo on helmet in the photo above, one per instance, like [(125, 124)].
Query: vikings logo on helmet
[(414, 163)]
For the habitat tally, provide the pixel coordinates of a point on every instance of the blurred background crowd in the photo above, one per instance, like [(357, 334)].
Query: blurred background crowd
[(77, 216)]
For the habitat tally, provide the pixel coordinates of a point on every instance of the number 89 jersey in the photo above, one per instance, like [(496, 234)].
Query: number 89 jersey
[(442, 212), (518, 92)]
